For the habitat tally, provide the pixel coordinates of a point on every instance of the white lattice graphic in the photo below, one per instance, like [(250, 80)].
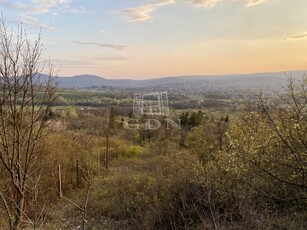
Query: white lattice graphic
[(153, 103)]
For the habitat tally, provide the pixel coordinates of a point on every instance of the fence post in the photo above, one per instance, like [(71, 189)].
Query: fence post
[(105, 157), (60, 181), (98, 158), (77, 174)]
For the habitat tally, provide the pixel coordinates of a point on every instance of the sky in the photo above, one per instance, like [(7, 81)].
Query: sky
[(136, 39)]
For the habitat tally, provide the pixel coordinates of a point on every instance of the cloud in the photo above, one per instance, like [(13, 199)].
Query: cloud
[(143, 12), (68, 62), (41, 6), (205, 3), (19, 6), (212, 3), (44, 6), (251, 3), (32, 22), (50, 3), (298, 36), (104, 45), (112, 58), (12, 5), (69, 9)]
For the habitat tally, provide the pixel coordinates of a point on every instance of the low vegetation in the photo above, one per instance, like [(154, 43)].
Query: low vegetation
[(65, 165)]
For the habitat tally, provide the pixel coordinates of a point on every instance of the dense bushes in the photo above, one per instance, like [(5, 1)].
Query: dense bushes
[(151, 194)]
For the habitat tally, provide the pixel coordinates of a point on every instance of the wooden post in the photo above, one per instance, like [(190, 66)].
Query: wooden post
[(77, 174), (60, 181), (98, 158), (105, 157)]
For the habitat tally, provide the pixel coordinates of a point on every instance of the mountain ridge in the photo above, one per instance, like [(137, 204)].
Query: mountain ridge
[(87, 80)]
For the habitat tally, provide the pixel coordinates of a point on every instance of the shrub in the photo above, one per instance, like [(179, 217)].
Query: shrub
[(153, 196)]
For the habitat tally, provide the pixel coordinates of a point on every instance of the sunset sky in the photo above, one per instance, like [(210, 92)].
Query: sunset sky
[(154, 38)]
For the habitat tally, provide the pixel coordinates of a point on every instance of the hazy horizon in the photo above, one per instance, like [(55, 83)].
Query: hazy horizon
[(187, 75), (157, 38)]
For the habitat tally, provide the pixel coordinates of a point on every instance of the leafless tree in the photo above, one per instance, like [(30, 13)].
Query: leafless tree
[(26, 98)]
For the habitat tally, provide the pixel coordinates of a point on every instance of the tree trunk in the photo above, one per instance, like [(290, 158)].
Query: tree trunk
[(19, 211)]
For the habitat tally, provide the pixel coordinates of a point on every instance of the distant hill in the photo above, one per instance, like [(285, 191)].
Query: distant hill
[(81, 81), (243, 80)]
